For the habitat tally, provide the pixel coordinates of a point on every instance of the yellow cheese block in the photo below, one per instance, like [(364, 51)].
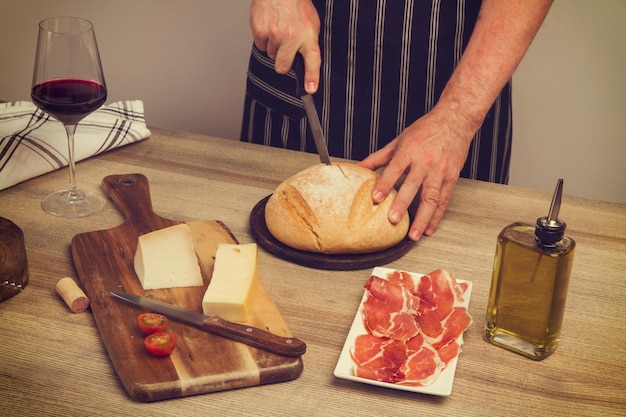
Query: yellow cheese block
[(234, 283), (166, 258)]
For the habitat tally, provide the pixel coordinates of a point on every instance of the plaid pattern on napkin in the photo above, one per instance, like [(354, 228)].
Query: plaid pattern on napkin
[(33, 143)]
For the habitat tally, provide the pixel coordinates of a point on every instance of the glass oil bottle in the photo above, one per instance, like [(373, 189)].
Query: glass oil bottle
[(529, 284)]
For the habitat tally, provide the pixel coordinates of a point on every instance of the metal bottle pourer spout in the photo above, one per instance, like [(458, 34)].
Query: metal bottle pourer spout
[(555, 206), (550, 230)]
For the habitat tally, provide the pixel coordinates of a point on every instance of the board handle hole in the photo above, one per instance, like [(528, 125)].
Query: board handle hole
[(128, 182)]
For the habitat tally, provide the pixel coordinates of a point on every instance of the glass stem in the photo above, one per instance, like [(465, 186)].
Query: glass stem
[(70, 130)]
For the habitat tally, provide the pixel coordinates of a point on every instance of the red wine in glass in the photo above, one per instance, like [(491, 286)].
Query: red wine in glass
[(69, 100), (68, 84)]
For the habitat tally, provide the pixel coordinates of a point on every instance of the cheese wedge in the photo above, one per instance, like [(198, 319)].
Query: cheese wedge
[(166, 258), (234, 283)]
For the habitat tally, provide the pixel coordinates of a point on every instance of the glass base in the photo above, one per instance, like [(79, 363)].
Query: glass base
[(518, 345), (71, 204)]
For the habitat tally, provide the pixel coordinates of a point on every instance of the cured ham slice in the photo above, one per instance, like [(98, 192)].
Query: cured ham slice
[(378, 358), (389, 310), (452, 327), (449, 351), (395, 297), (442, 317), (403, 279), (423, 364), (440, 292), (418, 322)]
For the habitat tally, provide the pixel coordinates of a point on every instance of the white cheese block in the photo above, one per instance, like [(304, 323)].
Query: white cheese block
[(166, 258), (234, 283)]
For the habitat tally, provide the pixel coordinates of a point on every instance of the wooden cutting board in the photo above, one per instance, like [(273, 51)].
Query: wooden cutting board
[(201, 362)]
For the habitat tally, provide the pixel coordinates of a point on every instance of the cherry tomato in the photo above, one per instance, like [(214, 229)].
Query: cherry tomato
[(160, 344), (152, 323)]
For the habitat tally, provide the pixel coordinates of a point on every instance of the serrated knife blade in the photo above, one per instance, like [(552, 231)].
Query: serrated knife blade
[(311, 112)]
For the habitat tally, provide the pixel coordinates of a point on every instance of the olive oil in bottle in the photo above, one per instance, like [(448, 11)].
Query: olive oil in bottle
[(529, 285)]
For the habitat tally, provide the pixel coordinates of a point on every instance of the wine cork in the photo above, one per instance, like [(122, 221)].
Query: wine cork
[(73, 296)]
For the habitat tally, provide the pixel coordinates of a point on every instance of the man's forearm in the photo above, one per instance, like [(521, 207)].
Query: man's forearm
[(501, 37)]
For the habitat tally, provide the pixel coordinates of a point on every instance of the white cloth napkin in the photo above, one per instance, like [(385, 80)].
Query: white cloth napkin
[(33, 143)]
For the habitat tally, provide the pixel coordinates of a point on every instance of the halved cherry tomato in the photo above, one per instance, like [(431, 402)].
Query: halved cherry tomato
[(152, 323), (160, 344)]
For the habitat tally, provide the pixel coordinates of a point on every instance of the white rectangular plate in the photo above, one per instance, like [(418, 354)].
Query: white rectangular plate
[(441, 386)]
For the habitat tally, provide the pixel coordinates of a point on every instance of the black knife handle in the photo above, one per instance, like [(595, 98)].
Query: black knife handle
[(252, 336), (298, 68)]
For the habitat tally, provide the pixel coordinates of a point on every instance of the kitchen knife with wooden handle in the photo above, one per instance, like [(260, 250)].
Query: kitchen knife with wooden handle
[(311, 112), (252, 336)]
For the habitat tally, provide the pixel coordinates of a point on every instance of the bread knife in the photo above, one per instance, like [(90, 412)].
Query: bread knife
[(309, 108), (252, 336)]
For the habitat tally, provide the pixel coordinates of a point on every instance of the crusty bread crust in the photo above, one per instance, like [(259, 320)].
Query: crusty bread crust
[(329, 209)]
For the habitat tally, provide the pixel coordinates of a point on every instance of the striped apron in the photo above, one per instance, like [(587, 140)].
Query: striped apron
[(384, 65)]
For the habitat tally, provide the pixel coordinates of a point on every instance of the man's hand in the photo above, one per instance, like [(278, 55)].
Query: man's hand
[(431, 152), (283, 28)]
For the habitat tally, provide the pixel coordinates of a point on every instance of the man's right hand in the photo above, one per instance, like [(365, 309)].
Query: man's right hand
[(282, 28)]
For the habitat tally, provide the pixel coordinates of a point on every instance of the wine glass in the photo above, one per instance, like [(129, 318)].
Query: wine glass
[(68, 84)]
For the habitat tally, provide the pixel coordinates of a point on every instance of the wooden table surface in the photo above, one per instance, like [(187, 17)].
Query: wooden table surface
[(53, 362)]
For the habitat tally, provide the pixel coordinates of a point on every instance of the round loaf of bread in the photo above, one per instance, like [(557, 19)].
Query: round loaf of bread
[(329, 209)]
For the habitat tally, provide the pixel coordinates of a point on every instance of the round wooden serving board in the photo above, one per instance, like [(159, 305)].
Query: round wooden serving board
[(320, 260)]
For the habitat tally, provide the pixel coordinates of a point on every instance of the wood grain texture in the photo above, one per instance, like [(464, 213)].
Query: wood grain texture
[(194, 178), (201, 362)]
